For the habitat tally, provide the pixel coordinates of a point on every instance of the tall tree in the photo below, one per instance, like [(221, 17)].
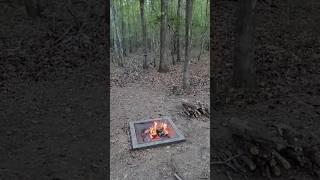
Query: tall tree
[(129, 28), (186, 69), (163, 66), (204, 33), (177, 33), (117, 36), (134, 25), (144, 34), (244, 65), (123, 28)]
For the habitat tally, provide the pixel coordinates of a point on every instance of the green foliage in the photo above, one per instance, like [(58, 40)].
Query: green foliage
[(130, 9)]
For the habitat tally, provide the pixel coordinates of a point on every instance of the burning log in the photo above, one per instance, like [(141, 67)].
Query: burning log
[(155, 132)]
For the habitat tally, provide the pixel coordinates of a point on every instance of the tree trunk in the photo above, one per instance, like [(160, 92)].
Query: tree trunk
[(186, 69), (118, 43), (133, 15), (123, 29), (178, 33), (201, 47), (163, 66), (202, 41), (144, 34), (244, 65), (173, 48), (129, 30), (153, 43)]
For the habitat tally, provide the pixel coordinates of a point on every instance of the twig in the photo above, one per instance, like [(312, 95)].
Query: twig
[(177, 176), (228, 175), (225, 161), (64, 34), (76, 20)]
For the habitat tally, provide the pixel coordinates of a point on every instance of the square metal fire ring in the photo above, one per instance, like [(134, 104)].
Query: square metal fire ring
[(141, 137)]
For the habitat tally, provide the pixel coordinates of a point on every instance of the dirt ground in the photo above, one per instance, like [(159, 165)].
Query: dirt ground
[(148, 94)]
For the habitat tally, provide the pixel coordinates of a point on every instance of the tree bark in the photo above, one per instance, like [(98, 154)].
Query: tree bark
[(186, 69), (163, 66), (178, 33), (133, 15), (117, 37), (244, 66), (129, 30), (144, 35), (123, 29)]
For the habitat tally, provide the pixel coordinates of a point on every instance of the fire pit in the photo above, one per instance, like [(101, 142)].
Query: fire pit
[(154, 132)]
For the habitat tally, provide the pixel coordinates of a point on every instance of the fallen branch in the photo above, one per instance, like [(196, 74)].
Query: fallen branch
[(225, 161), (177, 176)]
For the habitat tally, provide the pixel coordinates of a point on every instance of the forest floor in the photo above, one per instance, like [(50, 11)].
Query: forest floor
[(47, 126), (136, 95), (53, 104), (288, 62)]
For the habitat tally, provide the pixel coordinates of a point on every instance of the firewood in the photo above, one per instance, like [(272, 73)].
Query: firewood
[(268, 150), (188, 105), (235, 162), (252, 133), (194, 110), (272, 162), (254, 150), (276, 171), (224, 160), (239, 166), (268, 172), (280, 159), (250, 164), (297, 156)]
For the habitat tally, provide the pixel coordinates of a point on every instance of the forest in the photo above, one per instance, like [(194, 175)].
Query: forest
[(159, 52), (165, 32), (75, 74)]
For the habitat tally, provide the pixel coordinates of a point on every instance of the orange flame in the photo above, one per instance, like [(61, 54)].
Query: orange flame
[(155, 128)]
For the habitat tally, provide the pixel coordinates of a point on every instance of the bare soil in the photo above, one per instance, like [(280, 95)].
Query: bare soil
[(143, 94)]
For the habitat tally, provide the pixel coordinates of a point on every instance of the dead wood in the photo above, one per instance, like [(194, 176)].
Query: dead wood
[(281, 160), (249, 163), (177, 176), (226, 161), (270, 150), (194, 109)]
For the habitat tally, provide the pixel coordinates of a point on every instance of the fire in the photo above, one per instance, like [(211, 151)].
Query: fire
[(158, 130)]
